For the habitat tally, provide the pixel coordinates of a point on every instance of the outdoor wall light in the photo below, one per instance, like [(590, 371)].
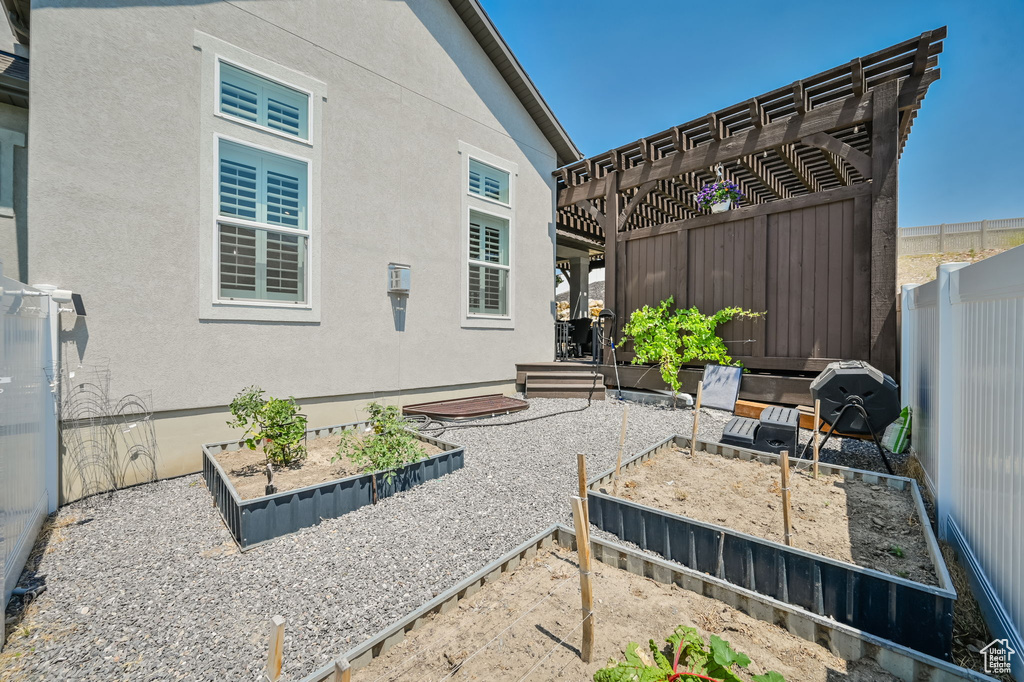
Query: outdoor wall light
[(399, 278)]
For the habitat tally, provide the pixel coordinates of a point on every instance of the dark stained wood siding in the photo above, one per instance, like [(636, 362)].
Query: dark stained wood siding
[(807, 267)]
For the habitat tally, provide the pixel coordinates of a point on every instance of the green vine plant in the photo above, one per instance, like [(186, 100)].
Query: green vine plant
[(274, 423), (388, 446), (692, 660), (658, 334)]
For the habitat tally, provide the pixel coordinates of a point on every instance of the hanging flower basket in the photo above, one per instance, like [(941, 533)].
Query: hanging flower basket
[(719, 196)]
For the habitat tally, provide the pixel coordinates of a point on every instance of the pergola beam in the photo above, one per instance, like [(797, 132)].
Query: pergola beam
[(852, 155), (832, 116), (827, 117), (755, 166), (787, 152)]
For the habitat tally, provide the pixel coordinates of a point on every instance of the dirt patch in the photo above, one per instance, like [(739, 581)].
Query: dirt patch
[(527, 622), (874, 526), (921, 269), (247, 468)]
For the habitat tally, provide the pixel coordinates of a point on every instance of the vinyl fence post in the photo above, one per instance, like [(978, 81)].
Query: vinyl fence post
[(942, 238), (946, 394), (984, 235)]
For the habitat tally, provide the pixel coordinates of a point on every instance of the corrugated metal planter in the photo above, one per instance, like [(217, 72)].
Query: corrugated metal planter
[(265, 518), (842, 640), (907, 612)]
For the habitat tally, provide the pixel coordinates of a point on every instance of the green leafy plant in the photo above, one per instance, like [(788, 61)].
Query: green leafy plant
[(387, 446), (658, 334), (273, 422), (692, 660), (895, 550)]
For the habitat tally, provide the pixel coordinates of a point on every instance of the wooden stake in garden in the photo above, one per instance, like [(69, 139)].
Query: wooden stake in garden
[(817, 433), (622, 444), (581, 472), (787, 528), (586, 589), (342, 670), (275, 653), (696, 417)]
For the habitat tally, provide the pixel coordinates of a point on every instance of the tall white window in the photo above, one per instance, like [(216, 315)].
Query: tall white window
[(488, 209), (263, 230), (263, 102), (488, 264)]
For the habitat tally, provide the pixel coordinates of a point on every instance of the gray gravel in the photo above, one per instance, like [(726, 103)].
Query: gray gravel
[(147, 584)]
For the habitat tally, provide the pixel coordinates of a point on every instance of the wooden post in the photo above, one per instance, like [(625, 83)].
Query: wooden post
[(586, 589), (787, 529), (275, 653), (817, 433), (884, 223), (622, 444), (581, 472), (342, 670), (696, 418)]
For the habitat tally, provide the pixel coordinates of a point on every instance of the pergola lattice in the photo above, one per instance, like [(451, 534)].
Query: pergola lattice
[(811, 136)]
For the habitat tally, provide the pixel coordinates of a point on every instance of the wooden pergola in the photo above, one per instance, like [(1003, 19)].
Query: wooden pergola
[(839, 132)]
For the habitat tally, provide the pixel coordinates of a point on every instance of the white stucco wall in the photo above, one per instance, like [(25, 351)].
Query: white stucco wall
[(119, 168), (119, 171)]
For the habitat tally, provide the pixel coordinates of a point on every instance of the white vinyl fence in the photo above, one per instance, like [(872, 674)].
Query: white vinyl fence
[(963, 377), (28, 427), (951, 237)]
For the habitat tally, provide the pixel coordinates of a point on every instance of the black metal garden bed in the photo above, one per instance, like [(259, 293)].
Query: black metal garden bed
[(904, 611), (260, 519)]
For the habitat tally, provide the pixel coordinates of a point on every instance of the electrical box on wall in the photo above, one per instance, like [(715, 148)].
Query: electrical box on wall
[(399, 278)]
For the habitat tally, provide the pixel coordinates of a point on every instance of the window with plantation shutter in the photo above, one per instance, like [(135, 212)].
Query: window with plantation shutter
[(261, 101), (262, 225), (488, 264), (488, 182)]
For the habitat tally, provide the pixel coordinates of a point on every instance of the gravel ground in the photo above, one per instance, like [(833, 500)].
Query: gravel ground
[(147, 584)]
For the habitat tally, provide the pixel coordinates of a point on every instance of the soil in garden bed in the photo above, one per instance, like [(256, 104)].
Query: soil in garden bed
[(526, 622), (247, 469), (870, 525)]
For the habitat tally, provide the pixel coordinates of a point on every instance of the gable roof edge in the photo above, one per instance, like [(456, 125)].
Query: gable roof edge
[(483, 29)]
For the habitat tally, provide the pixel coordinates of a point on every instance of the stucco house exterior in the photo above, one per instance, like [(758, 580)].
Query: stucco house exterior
[(226, 183)]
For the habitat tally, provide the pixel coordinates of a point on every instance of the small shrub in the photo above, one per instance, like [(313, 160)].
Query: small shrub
[(275, 423), (389, 445), (658, 333), (692, 660)]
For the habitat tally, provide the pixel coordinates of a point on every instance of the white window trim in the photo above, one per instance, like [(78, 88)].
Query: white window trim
[(474, 202), (219, 220), (208, 309), (266, 129)]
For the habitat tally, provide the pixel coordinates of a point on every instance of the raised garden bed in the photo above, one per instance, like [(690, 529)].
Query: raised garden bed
[(720, 522), (515, 617), (255, 519)]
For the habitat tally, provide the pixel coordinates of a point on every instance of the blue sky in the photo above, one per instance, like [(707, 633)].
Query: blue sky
[(616, 70)]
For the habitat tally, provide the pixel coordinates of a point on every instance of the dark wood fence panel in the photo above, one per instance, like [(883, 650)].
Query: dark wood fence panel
[(808, 266)]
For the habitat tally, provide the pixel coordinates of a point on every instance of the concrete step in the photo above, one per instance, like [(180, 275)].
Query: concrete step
[(564, 391), (563, 377)]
